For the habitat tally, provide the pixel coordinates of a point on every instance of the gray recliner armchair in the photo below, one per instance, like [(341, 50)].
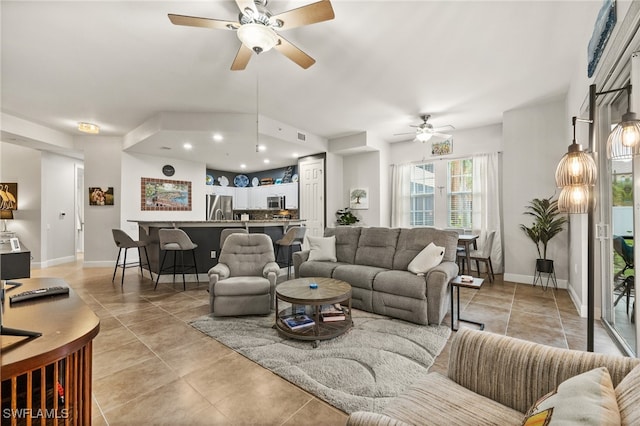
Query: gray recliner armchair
[(244, 280)]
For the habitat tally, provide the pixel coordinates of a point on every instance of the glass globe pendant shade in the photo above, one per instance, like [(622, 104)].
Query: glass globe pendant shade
[(574, 199), (423, 136), (624, 140), (257, 37), (576, 168)]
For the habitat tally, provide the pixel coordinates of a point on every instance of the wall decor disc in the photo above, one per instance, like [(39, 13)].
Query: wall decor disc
[(168, 170)]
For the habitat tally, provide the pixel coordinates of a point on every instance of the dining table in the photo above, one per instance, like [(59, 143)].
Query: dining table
[(468, 240)]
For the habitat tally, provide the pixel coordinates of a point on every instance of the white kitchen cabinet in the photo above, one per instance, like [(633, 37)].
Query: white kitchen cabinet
[(290, 192), (222, 190), (241, 198), (258, 197)]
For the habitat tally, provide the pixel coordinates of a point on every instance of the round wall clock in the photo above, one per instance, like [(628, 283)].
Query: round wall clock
[(168, 170)]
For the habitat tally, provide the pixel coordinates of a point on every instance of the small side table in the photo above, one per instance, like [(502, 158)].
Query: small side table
[(457, 283)]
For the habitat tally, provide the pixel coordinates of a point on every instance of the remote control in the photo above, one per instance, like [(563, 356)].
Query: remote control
[(41, 292)]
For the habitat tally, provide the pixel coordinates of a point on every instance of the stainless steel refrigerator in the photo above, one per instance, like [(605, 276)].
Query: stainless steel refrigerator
[(219, 207)]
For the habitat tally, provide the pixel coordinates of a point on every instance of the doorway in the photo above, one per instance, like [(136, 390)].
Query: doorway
[(312, 195)]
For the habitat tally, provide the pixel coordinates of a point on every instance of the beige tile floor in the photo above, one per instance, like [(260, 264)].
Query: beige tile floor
[(151, 367)]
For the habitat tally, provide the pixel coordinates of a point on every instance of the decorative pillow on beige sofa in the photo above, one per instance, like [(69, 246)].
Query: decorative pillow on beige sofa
[(428, 258), (628, 395), (322, 248), (585, 399)]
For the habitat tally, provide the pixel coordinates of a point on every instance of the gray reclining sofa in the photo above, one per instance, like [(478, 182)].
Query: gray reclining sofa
[(374, 261)]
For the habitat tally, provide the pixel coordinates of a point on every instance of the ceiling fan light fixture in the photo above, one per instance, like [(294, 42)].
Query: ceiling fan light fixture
[(423, 136), (257, 37)]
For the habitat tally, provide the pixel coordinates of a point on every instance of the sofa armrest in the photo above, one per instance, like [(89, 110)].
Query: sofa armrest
[(299, 258), (437, 288), (363, 418), (515, 372), (221, 271)]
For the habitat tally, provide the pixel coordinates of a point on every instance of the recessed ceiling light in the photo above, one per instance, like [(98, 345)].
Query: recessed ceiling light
[(91, 128), (243, 166), (187, 146), (295, 155), (266, 161), (262, 148), (217, 137)]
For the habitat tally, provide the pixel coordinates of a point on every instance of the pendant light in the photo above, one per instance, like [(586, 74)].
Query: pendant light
[(624, 141), (575, 173)]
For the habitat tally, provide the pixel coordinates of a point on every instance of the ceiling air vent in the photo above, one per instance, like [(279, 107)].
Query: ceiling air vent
[(302, 137)]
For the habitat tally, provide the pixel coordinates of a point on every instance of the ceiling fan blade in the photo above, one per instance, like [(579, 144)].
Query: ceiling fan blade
[(194, 21), (293, 53), (442, 128), (246, 4), (402, 134), (242, 58), (305, 15)]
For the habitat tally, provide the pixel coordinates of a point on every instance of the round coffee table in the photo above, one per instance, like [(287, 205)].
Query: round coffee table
[(302, 297)]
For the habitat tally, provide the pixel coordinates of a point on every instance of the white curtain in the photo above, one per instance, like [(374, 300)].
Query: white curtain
[(486, 204), (400, 195)]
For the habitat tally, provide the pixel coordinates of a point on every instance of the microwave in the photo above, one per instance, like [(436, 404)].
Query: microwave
[(276, 202)]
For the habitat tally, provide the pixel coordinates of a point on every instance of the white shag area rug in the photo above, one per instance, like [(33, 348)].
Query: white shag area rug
[(361, 370)]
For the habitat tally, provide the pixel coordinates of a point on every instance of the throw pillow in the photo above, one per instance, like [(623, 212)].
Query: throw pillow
[(428, 258), (322, 248), (585, 399), (628, 395)]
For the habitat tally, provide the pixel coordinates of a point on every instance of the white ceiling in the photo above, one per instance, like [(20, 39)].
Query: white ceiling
[(380, 64)]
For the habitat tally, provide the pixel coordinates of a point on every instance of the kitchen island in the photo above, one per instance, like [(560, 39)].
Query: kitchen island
[(206, 234)]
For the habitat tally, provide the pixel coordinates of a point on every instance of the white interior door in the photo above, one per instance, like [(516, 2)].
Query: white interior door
[(312, 202)]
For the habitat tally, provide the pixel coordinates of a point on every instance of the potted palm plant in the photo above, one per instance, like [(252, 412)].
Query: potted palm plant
[(547, 223)]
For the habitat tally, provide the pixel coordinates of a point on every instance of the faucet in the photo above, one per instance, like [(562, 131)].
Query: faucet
[(215, 214)]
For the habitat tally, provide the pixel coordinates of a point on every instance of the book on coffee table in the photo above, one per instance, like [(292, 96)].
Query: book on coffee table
[(296, 322), (333, 312)]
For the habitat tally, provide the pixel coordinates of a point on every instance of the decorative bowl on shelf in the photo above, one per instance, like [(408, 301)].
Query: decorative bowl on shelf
[(241, 181)]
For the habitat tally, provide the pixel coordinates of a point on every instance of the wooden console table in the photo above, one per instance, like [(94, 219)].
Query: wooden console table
[(47, 379)]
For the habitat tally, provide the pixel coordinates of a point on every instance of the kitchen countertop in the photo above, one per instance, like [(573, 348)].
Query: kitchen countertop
[(217, 223)]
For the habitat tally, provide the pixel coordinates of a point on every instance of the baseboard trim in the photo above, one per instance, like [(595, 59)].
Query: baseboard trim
[(528, 279), (54, 262)]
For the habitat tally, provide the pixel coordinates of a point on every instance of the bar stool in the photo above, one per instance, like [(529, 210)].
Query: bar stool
[(176, 240), (124, 242), (293, 237)]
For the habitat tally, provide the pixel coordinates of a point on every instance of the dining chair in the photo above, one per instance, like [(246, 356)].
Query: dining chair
[(176, 240), (481, 255), (124, 242)]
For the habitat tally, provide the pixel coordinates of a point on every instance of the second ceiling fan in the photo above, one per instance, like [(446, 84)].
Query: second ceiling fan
[(426, 131), (257, 27)]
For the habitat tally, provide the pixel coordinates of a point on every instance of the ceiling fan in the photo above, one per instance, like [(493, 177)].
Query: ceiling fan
[(257, 27), (426, 131)]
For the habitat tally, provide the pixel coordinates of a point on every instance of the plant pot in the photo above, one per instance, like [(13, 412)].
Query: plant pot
[(544, 265)]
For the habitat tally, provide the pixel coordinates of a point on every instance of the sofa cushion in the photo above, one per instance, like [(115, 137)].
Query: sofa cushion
[(628, 397), (427, 259), (585, 399), (322, 248), (357, 275), (412, 241), (346, 242), (401, 283), (242, 286), (318, 269), (436, 400), (377, 246)]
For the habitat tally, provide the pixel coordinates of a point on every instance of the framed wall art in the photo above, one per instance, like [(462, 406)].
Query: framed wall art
[(9, 196), (602, 29), (101, 196), (359, 198), (165, 195), (442, 148)]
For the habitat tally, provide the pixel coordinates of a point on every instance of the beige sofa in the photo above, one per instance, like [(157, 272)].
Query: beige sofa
[(375, 260), (494, 379)]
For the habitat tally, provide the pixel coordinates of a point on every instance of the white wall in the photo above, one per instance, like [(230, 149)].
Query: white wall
[(137, 166), (363, 171), (22, 165), (102, 167), (535, 138)]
